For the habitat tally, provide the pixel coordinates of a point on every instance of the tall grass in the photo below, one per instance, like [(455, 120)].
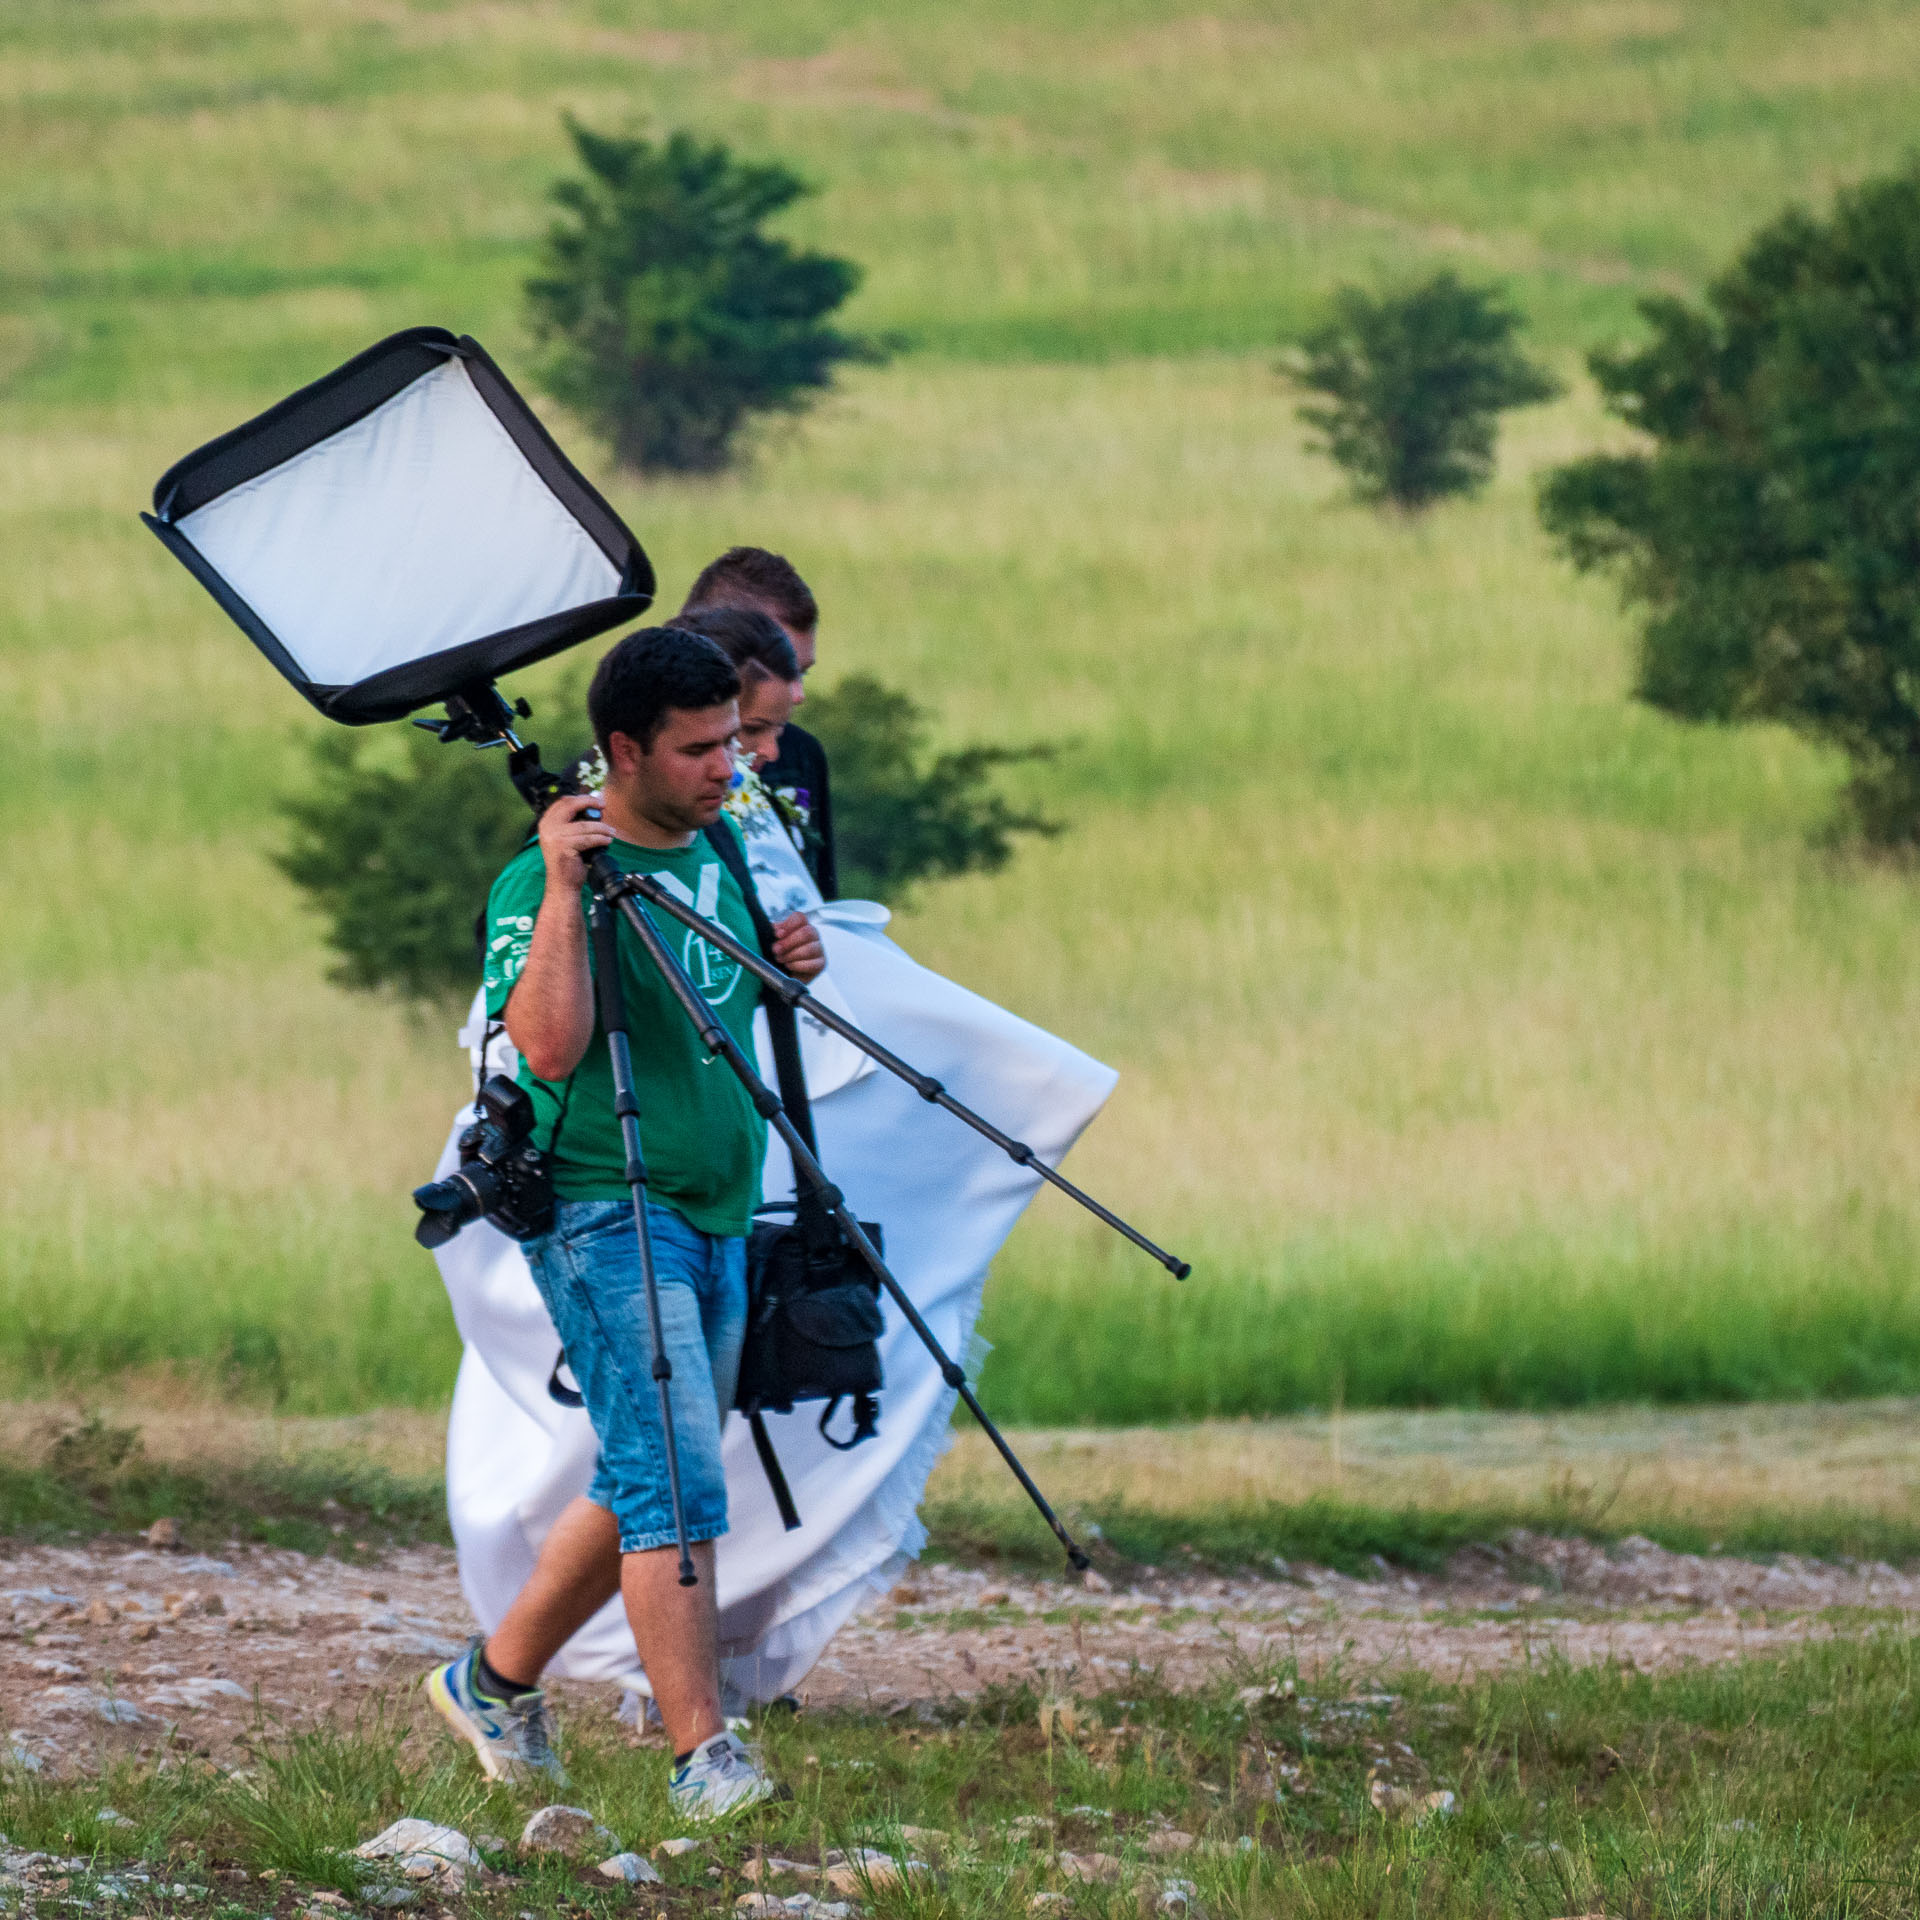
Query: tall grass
[(1483, 1037)]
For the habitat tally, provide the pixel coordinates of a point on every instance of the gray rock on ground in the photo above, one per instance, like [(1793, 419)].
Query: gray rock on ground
[(1180, 1899), (866, 1869), (635, 1869), (421, 1851), (1100, 1869), (770, 1906), (572, 1831)]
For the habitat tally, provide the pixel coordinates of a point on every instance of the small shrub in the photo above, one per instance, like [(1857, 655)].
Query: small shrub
[(668, 315), (1415, 385), (1771, 530), (900, 817), (400, 857)]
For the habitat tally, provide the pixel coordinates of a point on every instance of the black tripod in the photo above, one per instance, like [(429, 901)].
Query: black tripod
[(626, 1107), (479, 714)]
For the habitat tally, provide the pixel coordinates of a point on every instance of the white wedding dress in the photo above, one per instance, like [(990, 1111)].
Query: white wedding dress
[(945, 1199)]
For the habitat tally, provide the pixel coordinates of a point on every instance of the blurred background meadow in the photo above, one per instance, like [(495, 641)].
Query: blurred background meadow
[(1485, 1038)]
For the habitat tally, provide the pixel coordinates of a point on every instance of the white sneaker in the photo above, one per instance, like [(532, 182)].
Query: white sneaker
[(509, 1736), (722, 1776)]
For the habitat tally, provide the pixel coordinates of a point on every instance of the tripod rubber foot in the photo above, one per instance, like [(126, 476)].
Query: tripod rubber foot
[(688, 1578), (1079, 1560), (1179, 1268)]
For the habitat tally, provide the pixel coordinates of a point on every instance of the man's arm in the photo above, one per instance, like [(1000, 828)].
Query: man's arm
[(550, 1014)]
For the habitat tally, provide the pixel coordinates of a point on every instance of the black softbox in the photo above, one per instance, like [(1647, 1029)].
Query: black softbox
[(399, 529)]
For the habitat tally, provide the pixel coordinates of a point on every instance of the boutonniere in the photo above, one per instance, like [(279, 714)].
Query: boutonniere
[(792, 804)]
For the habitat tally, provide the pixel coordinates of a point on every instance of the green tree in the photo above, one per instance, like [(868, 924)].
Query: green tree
[(399, 858), (900, 817), (1770, 528), (668, 316), (399, 850), (1415, 383)]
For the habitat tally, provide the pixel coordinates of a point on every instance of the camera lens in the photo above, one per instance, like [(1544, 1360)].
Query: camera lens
[(447, 1205)]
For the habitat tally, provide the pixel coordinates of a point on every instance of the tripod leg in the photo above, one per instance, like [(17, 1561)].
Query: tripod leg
[(785, 988), (626, 1107), (950, 1370), (716, 1039)]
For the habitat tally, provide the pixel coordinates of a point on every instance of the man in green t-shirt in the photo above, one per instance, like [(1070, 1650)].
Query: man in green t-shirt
[(664, 710)]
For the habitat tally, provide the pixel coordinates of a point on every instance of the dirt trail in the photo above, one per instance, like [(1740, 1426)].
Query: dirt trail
[(111, 1647)]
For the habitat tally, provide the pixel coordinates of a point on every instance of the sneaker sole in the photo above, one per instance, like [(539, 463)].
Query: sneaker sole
[(463, 1723)]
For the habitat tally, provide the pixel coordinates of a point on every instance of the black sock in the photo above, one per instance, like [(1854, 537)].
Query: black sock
[(681, 1759), (494, 1683)]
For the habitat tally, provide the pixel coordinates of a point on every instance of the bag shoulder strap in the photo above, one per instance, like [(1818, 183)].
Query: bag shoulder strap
[(782, 1027)]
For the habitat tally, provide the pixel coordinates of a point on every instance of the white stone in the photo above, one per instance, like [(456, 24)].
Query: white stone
[(631, 1868), (420, 1850)]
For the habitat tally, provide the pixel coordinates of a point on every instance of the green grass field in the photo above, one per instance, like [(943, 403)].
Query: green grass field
[(1762, 1790), (1483, 1037)]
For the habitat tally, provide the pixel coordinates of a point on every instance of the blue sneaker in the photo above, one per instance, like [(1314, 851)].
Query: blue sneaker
[(510, 1736)]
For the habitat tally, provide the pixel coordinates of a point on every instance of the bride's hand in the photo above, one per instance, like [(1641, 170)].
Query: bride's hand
[(797, 948)]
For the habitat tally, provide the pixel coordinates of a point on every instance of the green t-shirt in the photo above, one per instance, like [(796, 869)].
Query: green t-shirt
[(703, 1141)]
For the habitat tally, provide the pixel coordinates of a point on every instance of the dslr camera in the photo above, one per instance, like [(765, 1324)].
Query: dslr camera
[(503, 1176)]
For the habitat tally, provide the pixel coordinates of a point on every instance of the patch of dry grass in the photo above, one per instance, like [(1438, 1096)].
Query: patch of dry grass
[(1623, 1469)]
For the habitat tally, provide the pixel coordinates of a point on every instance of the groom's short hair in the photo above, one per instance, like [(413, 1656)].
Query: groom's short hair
[(652, 672), (753, 577)]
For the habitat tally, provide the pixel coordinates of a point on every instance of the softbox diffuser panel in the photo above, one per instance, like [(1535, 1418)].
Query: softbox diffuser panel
[(400, 528)]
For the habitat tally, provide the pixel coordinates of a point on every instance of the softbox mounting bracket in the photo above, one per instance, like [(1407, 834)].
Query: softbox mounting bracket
[(400, 529)]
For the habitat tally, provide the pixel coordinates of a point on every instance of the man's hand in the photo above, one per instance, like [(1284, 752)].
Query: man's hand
[(567, 841), (797, 948), (550, 1013)]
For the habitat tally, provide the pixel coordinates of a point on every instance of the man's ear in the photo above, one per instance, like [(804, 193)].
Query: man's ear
[(624, 754)]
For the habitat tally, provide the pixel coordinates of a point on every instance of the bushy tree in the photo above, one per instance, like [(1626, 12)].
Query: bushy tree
[(668, 316), (898, 816), (398, 850), (1415, 383), (1771, 527), (399, 857)]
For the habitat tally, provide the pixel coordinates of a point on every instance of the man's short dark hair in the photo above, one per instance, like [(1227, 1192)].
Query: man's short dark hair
[(752, 640), (753, 577), (652, 672)]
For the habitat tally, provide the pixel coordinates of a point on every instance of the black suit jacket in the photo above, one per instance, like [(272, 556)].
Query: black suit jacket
[(802, 768)]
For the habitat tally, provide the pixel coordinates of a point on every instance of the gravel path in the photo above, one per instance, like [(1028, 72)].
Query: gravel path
[(116, 1647)]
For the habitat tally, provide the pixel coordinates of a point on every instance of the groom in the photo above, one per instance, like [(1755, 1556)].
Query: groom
[(755, 581), (664, 710)]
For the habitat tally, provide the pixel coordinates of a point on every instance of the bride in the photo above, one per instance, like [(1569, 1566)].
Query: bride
[(944, 1197)]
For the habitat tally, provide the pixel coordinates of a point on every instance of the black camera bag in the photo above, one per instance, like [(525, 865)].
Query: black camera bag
[(813, 1305)]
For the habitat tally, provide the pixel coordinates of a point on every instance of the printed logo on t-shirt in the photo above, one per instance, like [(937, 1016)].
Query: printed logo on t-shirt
[(707, 967), (507, 950)]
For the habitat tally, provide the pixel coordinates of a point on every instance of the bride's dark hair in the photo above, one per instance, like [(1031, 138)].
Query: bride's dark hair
[(750, 639)]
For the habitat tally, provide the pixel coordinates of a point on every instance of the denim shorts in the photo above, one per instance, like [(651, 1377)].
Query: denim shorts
[(588, 1272)]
